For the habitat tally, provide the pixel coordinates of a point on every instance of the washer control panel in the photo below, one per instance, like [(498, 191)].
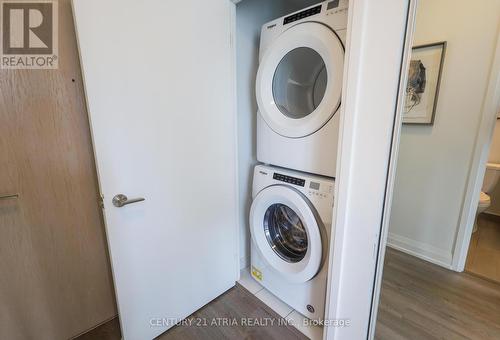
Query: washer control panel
[(289, 179), (313, 186), (338, 7), (318, 190)]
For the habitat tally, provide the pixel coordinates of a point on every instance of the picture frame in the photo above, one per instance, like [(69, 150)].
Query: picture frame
[(424, 78)]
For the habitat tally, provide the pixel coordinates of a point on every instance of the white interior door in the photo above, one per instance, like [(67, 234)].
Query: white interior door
[(158, 77)]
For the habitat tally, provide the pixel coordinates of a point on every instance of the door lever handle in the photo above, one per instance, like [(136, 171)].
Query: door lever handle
[(9, 197), (121, 200)]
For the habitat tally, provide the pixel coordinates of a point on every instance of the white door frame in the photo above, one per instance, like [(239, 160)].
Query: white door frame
[(490, 110), (372, 77), (391, 177), (349, 290)]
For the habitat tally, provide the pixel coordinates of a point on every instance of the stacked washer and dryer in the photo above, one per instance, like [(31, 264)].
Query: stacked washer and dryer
[(298, 89)]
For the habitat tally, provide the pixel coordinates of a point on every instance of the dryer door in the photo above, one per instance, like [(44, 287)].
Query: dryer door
[(286, 230), (299, 80)]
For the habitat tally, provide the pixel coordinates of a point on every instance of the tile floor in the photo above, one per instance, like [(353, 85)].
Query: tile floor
[(484, 251), (282, 309)]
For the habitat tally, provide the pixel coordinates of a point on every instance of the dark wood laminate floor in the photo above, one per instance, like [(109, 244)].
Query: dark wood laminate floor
[(236, 304), (420, 300)]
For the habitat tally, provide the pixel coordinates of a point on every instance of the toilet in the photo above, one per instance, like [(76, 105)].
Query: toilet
[(490, 180)]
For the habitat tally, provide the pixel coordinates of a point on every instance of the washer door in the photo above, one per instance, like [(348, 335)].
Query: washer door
[(285, 229), (299, 81)]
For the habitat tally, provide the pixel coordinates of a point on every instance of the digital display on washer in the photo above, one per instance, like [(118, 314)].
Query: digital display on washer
[(332, 4), (301, 15), (314, 185), (289, 179)]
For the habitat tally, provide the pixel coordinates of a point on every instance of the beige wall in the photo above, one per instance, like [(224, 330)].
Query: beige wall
[(494, 157), (55, 276), (434, 161)]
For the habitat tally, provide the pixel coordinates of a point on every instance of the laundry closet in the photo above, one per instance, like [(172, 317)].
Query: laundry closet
[(178, 135), (291, 99)]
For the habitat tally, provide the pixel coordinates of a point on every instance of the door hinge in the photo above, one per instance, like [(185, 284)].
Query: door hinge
[(100, 201)]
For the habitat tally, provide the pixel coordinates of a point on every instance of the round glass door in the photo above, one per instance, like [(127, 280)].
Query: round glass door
[(299, 82), (285, 233)]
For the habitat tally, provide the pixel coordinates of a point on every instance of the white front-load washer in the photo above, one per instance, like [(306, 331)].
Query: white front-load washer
[(290, 227), (299, 87)]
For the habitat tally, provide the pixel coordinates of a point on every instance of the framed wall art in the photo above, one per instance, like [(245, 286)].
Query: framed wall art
[(423, 83)]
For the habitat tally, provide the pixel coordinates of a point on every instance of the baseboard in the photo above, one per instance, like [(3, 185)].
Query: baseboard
[(102, 323), (490, 215), (421, 250)]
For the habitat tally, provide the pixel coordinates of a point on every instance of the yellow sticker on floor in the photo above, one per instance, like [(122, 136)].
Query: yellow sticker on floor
[(256, 273)]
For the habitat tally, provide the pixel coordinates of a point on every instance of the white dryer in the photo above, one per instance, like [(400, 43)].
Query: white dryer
[(290, 225), (299, 87)]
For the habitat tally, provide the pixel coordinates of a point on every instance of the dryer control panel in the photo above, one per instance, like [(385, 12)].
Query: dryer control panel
[(303, 14), (332, 13)]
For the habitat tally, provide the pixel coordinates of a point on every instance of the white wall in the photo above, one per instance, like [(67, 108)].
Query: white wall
[(434, 161), (250, 16)]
